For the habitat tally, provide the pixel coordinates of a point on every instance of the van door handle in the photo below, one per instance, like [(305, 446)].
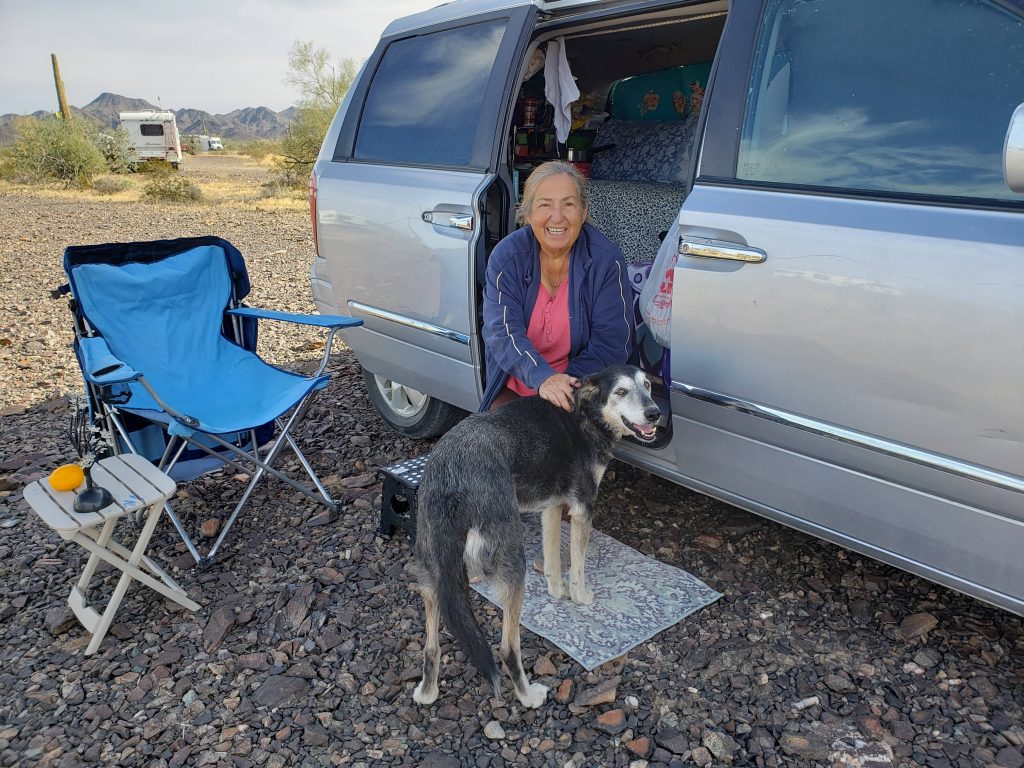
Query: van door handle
[(462, 221), (718, 249)]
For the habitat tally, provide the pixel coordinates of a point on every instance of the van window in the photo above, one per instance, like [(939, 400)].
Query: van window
[(913, 96), (150, 129), (423, 104)]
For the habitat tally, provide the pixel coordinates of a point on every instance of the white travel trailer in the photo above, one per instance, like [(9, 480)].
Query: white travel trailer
[(154, 135)]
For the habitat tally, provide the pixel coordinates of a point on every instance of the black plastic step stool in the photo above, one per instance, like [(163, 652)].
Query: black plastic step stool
[(398, 497)]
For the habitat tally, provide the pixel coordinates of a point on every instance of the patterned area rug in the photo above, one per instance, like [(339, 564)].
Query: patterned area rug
[(635, 598)]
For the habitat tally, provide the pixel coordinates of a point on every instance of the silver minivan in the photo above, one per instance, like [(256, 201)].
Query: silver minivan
[(847, 334)]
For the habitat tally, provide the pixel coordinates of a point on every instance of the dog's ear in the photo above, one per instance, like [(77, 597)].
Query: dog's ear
[(587, 390)]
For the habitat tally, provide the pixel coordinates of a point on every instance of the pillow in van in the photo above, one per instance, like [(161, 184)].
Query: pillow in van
[(667, 94), (644, 150)]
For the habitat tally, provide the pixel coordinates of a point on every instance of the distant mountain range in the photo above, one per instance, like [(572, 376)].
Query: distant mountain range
[(242, 124)]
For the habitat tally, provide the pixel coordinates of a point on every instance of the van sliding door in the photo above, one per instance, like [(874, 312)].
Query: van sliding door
[(400, 207)]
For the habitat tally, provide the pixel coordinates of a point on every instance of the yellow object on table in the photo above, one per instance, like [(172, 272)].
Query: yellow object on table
[(66, 477)]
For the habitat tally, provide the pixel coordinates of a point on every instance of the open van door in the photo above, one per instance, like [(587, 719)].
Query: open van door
[(400, 199), (848, 329)]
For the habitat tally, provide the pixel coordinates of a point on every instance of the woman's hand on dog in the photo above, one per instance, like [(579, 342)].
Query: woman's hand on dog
[(558, 390)]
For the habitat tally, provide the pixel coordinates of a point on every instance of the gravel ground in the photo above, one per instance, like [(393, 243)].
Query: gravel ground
[(307, 646)]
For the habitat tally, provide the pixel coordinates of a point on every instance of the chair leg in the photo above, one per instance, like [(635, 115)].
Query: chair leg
[(310, 471)]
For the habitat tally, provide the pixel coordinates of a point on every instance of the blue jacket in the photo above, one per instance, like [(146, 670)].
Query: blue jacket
[(600, 310)]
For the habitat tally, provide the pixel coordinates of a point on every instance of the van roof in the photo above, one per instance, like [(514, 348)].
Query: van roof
[(460, 9)]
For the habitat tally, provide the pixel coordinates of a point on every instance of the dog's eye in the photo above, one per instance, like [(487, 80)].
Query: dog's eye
[(647, 385), (621, 391)]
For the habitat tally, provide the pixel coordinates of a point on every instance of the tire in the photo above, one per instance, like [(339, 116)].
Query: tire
[(409, 411)]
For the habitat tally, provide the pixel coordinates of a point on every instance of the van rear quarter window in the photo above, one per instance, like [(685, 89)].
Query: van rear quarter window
[(423, 104), (912, 96)]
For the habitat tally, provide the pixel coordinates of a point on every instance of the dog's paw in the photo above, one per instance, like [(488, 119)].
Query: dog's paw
[(535, 695), (580, 595), (422, 697), (555, 587)]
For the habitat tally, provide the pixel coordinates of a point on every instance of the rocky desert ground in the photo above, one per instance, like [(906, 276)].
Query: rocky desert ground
[(307, 646)]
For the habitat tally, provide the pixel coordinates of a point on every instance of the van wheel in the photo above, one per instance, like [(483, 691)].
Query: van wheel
[(409, 411)]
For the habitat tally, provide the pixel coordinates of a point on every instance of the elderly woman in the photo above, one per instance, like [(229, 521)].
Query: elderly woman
[(557, 304)]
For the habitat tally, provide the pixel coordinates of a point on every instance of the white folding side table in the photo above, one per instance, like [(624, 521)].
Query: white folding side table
[(137, 487)]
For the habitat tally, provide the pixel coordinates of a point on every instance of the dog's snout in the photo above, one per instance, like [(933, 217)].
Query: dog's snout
[(652, 413)]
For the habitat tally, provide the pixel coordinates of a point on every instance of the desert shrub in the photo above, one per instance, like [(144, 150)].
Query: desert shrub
[(54, 149), (118, 152), (171, 188), (289, 175), (109, 185), (259, 149), (155, 167)]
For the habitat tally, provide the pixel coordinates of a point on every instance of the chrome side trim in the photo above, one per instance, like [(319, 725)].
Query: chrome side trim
[(858, 439), (419, 325)]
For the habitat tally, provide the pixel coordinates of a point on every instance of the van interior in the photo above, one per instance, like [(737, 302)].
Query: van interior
[(641, 80)]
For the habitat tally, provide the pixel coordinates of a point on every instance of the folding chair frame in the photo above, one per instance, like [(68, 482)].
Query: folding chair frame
[(233, 455)]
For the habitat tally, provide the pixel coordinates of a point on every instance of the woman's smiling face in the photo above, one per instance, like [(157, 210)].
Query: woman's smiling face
[(557, 215)]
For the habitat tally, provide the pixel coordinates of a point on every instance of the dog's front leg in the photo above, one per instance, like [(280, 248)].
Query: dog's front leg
[(579, 538), (551, 528)]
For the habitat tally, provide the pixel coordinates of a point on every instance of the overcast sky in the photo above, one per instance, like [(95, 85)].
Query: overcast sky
[(212, 55)]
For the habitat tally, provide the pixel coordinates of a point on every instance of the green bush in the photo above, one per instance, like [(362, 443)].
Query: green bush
[(53, 149), (118, 152), (171, 188), (109, 185), (155, 167)]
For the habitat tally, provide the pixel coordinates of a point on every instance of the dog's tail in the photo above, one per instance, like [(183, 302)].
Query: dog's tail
[(453, 596)]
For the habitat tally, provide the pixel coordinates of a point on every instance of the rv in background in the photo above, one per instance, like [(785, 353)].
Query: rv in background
[(208, 143), (154, 135)]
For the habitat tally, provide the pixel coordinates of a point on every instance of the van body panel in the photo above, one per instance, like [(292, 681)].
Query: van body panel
[(386, 256), (897, 321)]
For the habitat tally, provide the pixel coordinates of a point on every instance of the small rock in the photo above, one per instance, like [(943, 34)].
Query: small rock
[(917, 624), (59, 620), (640, 746), (564, 692), (701, 756), (810, 701), (1008, 757), (720, 745), (600, 694), (613, 721), (280, 691), (544, 666), (709, 541), (798, 745), (209, 528), (217, 628), (494, 731)]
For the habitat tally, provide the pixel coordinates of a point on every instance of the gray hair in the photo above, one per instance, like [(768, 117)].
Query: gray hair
[(546, 171)]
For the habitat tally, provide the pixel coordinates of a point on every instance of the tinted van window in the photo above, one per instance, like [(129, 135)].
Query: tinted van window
[(906, 96), (148, 129), (423, 104)]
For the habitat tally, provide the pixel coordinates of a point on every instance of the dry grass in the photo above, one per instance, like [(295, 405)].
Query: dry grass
[(225, 179)]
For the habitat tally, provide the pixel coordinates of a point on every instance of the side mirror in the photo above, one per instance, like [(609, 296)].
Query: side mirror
[(1013, 151)]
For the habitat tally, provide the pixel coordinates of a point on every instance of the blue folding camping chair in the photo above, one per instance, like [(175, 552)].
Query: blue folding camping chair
[(167, 351)]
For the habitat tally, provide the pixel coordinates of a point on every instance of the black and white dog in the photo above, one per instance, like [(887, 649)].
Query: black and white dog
[(527, 456)]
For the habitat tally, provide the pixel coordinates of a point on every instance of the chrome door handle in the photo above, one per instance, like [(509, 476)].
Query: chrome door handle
[(718, 249), (463, 221)]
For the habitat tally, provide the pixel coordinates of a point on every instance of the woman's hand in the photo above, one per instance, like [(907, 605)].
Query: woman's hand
[(558, 390)]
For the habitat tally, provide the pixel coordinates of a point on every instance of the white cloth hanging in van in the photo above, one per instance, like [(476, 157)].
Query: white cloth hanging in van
[(559, 86)]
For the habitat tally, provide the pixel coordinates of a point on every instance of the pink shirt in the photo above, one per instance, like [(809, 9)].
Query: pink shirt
[(548, 331)]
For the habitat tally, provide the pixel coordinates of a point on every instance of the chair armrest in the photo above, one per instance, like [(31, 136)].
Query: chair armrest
[(321, 321), (99, 364)]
